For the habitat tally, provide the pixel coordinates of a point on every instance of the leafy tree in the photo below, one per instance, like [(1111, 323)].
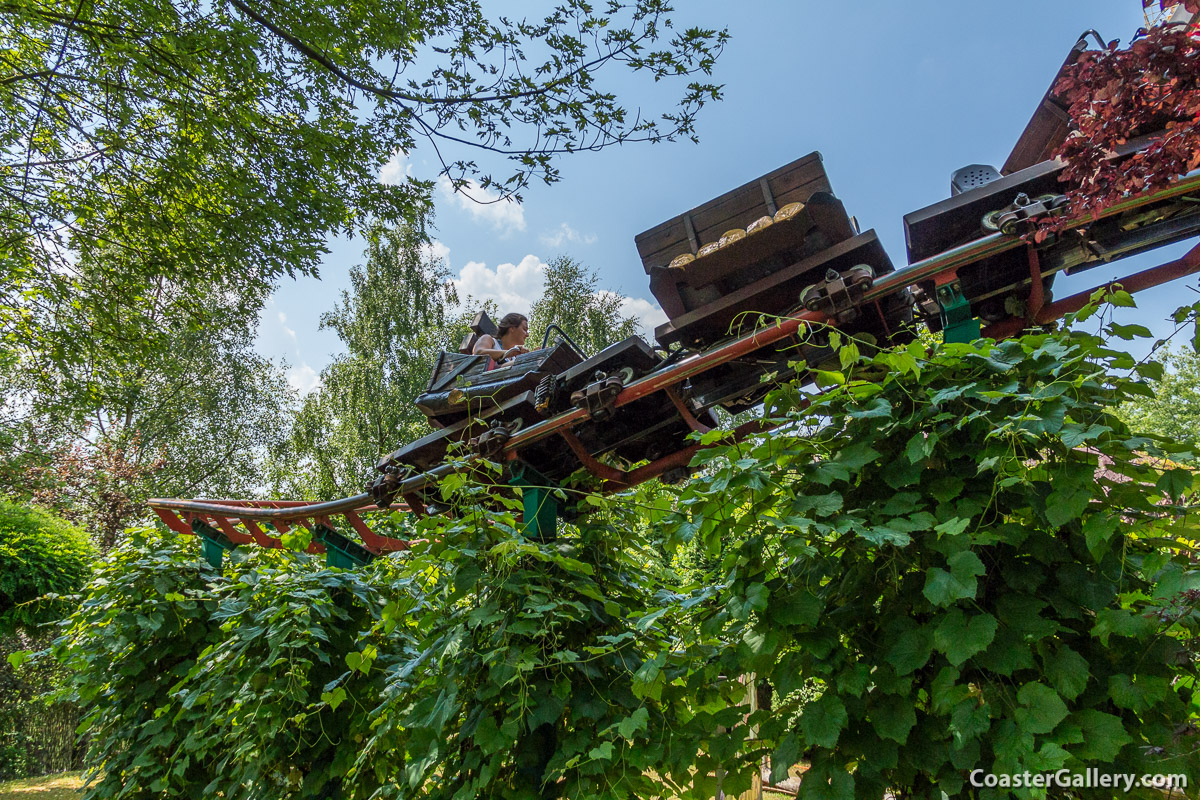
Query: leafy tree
[(40, 555), (96, 438), (570, 299), (1174, 410), (393, 321), (42, 558), (229, 139)]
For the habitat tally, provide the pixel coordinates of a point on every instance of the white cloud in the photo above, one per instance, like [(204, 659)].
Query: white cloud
[(435, 251), (648, 315), (397, 168), (564, 234), (484, 205), (514, 287), (283, 321), (303, 379)]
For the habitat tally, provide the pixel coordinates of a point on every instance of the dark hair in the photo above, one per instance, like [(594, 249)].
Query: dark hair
[(508, 322)]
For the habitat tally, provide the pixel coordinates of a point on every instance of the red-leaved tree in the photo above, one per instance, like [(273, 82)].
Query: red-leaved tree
[(1150, 89)]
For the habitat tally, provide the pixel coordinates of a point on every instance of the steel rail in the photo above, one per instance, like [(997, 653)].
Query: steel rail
[(358, 501), (995, 243), (655, 382), (762, 337), (677, 373)]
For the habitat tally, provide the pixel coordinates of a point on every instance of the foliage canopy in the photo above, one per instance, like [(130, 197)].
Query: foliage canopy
[(225, 141), (958, 551)]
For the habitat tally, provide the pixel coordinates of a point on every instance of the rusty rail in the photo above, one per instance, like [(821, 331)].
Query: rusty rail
[(178, 513)]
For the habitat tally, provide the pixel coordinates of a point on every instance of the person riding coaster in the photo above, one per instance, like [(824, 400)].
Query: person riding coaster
[(509, 340)]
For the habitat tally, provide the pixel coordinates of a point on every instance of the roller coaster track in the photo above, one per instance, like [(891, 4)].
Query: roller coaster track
[(226, 524)]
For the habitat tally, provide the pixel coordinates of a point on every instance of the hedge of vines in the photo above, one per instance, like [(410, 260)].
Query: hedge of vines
[(957, 551)]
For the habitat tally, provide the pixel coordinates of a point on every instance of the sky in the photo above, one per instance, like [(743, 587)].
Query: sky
[(894, 95)]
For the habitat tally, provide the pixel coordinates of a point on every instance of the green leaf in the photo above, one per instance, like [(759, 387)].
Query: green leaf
[(1129, 332), (943, 588), (856, 456), (878, 408), (826, 781), (953, 527), (1121, 622), (1139, 693), (1175, 482), (969, 720), (602, 753), (1151, 370), (946, 692), (785, 756), (1097, 530), (827, 378), (960, 637), (1103, 736), (946, 488), (893, 717), (823, 720), (334, 698), (1066, 504), (803, 608), (1041, 708), (635, 722), (1121, 298), (911, 651), (488, 736), (822, 505)]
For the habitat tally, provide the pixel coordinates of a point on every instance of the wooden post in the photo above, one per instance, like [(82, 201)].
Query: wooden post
[(755, 792)]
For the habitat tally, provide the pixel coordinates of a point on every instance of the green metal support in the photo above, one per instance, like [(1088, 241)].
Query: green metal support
[(539, 505), (340, 551), (957, 323), (214, 542)]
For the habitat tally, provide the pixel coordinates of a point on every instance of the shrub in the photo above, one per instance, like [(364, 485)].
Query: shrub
[(40, 555), (971, 557)]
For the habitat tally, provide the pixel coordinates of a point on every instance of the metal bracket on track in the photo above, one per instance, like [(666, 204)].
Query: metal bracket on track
[(214, 542), (958, 324), (599, 398), (490, 444), (340, 551), (840, 294)]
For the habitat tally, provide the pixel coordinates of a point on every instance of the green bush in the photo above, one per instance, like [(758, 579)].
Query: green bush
[(40, 555), (970, 556), (956, 558)]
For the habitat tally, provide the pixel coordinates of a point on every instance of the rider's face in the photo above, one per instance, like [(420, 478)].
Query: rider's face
[(521, 332)]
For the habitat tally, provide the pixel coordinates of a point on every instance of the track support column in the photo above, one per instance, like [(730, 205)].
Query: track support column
[(214, 542), (539, 505)]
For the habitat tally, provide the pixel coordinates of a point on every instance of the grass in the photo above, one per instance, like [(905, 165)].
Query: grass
[(65, 786)]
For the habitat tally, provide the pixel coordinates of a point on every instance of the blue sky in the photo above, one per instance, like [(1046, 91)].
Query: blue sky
[(895, 95)]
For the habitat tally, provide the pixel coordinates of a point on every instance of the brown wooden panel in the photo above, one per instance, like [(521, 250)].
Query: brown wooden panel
[(775, 293), (745, 204), (1041, 137), (714, 231), (734, 209)]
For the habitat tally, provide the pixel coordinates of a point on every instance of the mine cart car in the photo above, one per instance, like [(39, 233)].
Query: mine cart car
[(480, 407), (988, 201), (777, 245)]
